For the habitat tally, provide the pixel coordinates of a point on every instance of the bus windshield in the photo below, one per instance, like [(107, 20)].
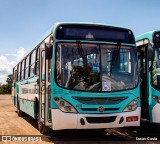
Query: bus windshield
[(96, 67)]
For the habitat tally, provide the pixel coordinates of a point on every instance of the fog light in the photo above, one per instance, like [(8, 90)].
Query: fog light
[(129, 107)]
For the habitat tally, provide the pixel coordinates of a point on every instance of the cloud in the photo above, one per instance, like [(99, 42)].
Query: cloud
[(20, 54), (6, 65)]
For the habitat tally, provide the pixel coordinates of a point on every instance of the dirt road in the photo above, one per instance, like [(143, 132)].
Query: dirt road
[(11, 124), (26, 127)]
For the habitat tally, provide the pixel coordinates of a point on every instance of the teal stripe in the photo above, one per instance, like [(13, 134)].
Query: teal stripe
[(32, 80), (24, 82)]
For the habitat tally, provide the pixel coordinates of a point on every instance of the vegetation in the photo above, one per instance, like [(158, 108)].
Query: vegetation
[(6, 88)]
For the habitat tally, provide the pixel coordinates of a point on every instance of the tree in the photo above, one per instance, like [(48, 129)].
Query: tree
[(6, 88), (1, 90), (9, 79)]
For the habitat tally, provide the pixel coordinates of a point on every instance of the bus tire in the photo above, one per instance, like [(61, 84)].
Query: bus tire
[(19, 112), (41, 127)]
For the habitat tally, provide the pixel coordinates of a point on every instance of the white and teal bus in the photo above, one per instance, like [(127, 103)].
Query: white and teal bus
[(80, 76), (148, 45)]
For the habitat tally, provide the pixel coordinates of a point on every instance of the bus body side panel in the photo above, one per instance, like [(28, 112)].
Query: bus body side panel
[(28, 93)]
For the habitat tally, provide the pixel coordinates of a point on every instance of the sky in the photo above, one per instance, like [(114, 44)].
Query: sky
[(23, 22)]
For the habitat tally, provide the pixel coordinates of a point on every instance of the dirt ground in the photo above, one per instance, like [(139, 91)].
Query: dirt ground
[(11, 124)]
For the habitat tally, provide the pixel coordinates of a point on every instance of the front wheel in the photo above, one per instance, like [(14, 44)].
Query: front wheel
[(42, 128)]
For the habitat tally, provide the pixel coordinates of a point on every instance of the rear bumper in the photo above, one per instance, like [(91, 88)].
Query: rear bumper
[(63, 120)]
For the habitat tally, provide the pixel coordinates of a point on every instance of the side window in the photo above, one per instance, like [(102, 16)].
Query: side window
[(26, 67), (32, 65), (37, 62), (15, 74), (19, 72), (43, 62), (22, 70)]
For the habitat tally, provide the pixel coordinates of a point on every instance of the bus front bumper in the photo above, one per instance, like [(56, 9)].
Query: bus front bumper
[(61, 120)]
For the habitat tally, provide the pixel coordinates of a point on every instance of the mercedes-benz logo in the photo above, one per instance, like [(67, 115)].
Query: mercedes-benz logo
[(101, 109)]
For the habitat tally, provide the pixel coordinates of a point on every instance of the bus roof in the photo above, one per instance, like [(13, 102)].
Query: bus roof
[(147, 35), (54, 26)]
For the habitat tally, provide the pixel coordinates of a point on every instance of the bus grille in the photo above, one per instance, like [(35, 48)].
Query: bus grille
[(101, 119), (96, 109), (99, 100)]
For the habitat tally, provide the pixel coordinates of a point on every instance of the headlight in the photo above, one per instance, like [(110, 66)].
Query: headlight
[(132, 106), (65, 106)]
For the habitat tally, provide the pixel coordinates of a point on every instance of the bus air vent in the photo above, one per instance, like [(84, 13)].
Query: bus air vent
[(101, 119), (99, 100), (95, 109)]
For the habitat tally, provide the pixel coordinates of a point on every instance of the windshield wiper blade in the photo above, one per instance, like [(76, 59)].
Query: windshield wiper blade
[(81, 52), (82, 55), (115, 56)]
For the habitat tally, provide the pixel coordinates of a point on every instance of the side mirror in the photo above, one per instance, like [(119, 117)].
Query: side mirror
[(151, 54)]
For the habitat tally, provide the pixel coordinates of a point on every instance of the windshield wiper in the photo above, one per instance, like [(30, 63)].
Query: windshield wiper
[(115, 56), (81, 52), (82, 55)]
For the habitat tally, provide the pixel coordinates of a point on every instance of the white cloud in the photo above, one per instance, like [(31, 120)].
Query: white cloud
[(20, 54), (6, 65)]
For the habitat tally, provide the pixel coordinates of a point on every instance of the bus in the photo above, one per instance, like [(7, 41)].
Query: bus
[(80, 76), (148, 46)]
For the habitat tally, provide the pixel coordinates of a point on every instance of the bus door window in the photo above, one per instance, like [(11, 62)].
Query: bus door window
[(156, 68)]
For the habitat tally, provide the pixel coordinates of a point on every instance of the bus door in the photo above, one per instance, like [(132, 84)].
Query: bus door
[(143, 67), (45, 88)]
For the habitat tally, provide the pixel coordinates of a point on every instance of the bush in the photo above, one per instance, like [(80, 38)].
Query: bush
[(5, 89)]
